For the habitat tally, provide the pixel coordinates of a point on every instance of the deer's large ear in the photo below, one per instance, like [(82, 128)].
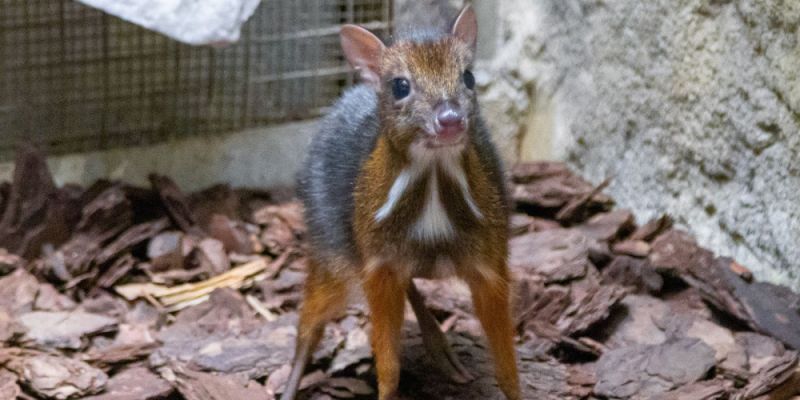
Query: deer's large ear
[(363, 51), (466, 27)]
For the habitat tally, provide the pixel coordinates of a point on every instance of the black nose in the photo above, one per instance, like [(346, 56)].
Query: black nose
[(449, 116)]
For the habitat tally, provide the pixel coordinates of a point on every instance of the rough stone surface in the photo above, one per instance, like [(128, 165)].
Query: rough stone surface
[(693, 107)]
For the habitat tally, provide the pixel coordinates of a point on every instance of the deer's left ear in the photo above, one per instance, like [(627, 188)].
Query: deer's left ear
[(466, 27)]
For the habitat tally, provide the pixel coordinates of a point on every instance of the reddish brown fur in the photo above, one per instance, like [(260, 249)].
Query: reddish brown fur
[(480, 249), (387, 255), (436, 68), (386, 315)]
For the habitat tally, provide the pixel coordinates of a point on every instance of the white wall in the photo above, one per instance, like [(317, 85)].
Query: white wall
[(260, 157)]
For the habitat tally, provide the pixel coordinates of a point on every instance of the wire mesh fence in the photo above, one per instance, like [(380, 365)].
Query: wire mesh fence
[(73, 78)]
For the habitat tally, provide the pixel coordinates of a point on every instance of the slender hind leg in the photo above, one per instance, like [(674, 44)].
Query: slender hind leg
[(385, 290), (490, 295), (435, 341), (325, 299)]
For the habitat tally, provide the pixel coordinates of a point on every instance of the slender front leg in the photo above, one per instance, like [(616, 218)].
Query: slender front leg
[(385, 290), (490, 296), (325, 298), (435, 340)]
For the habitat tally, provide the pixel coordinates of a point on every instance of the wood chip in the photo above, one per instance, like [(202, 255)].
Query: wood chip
[(58, 377), (204, 386), (635, 248), (178, 296), (65, 329), (557, 255), (135, 384), (641, 372), (175, 203)]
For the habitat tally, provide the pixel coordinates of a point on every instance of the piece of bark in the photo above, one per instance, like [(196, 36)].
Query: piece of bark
[(132, 237), (8, 327), (101, 219), (633, 272), (175, 203), (578, 209), (785, 294), (761, 350), (5, 190), (635, 248), (35, 212), (771, 377), (537, 303), (356, 349), (715, 389), (276, 381), (581, 379), (133, 342), (232, 235), (116, 271), (607, 226), (217, 199), (136, 383), (730, 355), (225, 335), (636, 322), (352, 386), (520, 223), (9, 389), (687, 300), (289, 213), (58, 377), (589, 304), (677, 253), (195, 385), (641, 372), (540, 380), (18, 292), (543, 188), (65, 329), (742, 271), (542, 198), (107, 215), (9, 262), (532, 171), (103, 303), (652, 228), (769, 312), (277, 238), (557, 255), (210, 256), (49, 299)]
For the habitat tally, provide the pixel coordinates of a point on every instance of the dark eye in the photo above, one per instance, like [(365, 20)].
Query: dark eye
[(400, 88), (469, 79)]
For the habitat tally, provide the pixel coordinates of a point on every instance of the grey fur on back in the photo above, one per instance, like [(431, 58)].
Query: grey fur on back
[(345, 139)]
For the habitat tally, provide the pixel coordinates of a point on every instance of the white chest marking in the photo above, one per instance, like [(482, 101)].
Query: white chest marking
[(433, 224), (395, 193)]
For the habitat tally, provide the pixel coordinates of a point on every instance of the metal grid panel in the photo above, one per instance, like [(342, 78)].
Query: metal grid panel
[(75, 79)]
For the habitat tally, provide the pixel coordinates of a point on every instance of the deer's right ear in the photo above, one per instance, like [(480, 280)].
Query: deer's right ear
[(363, 51)]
